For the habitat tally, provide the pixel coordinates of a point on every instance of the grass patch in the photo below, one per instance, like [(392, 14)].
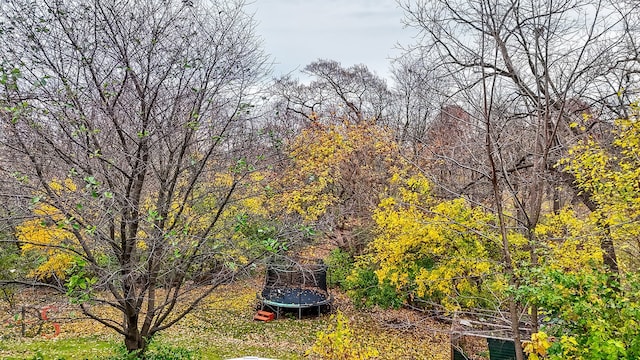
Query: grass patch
[(79, 348)]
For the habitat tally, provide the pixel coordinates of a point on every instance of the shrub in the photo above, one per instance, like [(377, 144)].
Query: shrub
[(340, 265), (366, 290), (157, 351), (590, 313)]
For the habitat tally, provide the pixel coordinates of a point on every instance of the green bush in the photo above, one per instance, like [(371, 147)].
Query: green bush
[(340, 265), (166, 352), (364, 288), (37, 356), (592, 314), (157, 351)]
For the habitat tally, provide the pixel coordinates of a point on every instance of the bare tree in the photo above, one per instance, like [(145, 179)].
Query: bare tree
[(416, 100), (127, 119), (336, 92)]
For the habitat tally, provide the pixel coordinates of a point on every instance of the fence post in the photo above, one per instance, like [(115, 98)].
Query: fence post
[(23, 328)]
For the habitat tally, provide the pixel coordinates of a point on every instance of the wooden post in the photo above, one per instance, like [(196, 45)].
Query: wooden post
[(23, 329)]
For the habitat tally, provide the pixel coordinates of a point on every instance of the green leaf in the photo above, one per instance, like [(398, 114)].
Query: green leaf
[(90, 180)]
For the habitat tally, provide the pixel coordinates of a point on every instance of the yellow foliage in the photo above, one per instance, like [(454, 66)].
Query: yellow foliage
[(441, 250), (610, 178), (59, 187), (567, 242), (332, 165), (340, 343), (537, 347), (141, 245), (569, 345), (224, 178), (37, 233), (47, 235), (56, 264)]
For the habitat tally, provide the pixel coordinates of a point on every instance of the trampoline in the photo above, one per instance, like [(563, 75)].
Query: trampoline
[(295, 286)]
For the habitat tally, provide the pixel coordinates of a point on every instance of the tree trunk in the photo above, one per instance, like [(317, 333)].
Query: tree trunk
[(133, 340), (508, 263), (609, 257), (497, 197)]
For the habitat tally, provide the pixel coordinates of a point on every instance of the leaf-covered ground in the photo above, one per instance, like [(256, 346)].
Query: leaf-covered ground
[(224, 328)]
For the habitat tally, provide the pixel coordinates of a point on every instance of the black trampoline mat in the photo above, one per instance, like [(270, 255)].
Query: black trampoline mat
[(294, 296)]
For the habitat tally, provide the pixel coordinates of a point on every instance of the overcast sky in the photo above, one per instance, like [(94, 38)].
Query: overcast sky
[(297, 32)]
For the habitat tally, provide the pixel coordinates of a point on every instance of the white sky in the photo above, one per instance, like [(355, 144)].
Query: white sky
[(298, 32)]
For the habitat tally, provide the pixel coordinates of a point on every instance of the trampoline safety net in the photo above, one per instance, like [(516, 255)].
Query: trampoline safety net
[(292, 285), (297, 276)]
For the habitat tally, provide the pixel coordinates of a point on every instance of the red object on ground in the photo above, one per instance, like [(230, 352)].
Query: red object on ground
[(45, 317), (264, 315)]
